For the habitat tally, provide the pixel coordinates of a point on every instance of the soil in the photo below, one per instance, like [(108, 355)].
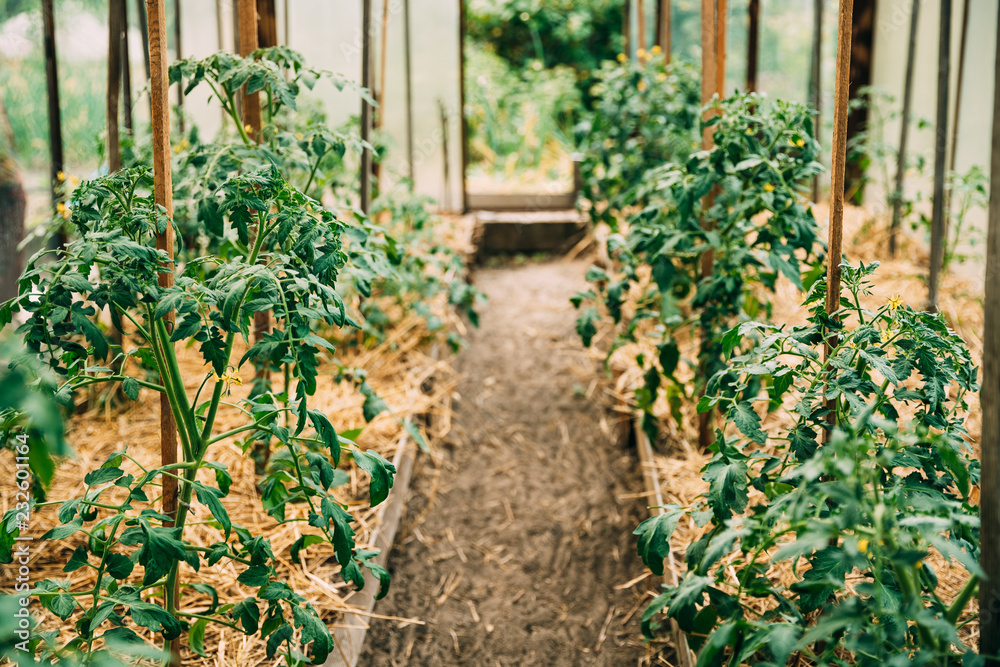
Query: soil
[(517, 547)]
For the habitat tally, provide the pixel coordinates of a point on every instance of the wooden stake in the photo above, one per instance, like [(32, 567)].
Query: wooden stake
[(721, 25), (115, 16), (163, 195), (753, 48), (366, 109), (143, 30), (126, 72), (838, 157), (640, 15), (940, 150), (626, 28), (380, 110), (55, 117), (407, 55), (180, 54), (267, 24), (664, 28), (247, 22), (815, 80), (953, 152), (989, 502), (904, 130), (464, 139)]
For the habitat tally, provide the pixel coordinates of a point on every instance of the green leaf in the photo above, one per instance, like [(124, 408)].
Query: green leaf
[(727, 491), (380, 471), (748, 421), (155, 618), (209, 591), (208, 498), (326, 432), (343, 534), (77, 560), (255, 576), (102, 475), (248, 615), (282, 634), (301, 543), (131, 388), (654, 538), (373, 405), (417, 436), (315, 631), (62, 605), (119, 566), (62, 532), (196, 637)]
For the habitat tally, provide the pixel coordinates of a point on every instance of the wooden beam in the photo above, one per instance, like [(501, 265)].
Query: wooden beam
[(247, 23), (140, 6), (55, 117), (126, 72), (709, 87), (267, 24), (940, 151), (163, 196), (664, 28), (640, 32), (989, 501), (721, 28), (904, 130)]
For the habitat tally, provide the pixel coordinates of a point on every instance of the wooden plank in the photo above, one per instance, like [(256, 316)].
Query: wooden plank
[(349, 641), (476, 201)]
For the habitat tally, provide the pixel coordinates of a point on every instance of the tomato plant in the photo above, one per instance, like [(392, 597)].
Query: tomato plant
[(740, 203), (864, 504), (646, 113), (285, 255)]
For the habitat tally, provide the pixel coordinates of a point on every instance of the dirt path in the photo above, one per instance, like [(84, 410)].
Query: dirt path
[(515, 543)]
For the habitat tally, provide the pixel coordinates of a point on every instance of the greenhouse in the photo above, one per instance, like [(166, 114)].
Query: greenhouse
[(500, 332)]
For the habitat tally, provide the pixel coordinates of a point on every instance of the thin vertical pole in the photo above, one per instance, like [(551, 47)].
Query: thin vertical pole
[(904, 130), (366, 110), (640, 15), (753, 43), (52, 87), (163, 196), (380, 110), (664, 28), (247, 22), (114, 84), (443, 113), (627, 28), (953, 153), (940, 150), (721, 31), (838, 159), (180, 54), (140, 10), (815, 80), (288, 23), (989, 502), (709, 87), (407, 55), (126, 72), (267, 24), (464, 143)]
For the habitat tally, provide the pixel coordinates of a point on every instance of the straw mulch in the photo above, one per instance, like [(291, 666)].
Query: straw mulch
[(678, 459), (402, 371)]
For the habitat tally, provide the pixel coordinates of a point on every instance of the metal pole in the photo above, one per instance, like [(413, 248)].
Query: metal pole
[(940, 151)]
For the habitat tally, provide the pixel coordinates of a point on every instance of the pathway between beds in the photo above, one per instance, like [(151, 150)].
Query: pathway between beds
[(516, 544)]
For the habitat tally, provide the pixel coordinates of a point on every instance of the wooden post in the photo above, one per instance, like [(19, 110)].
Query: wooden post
[(940, 150), (55, 117), (247, 22), (838, 158), (126, 72), (862, 43), (626, 28), (143, 30), (721, 24), (753, 47), (163, 195), (953, 152), (815, 80), (904, 130), (407, 55), (115, 16), (989, 501), (640, 32), (664, 28), (709, 87), (366, 109), (180, 54), (443, 113), (267, 24), (464, 139), (380, 110)]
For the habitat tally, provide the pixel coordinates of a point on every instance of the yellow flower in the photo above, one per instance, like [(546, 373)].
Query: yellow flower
[(863, 545), (641, 86), (621, 57), (73, 180), (247, 128), (800, 143), (641, 53), (229, 378), (748, 131), (655, 50), (61, 176), (60, 207), (886, 335), (661, 77), (299, 135), (895, 302), (768, 187), (920, 564)]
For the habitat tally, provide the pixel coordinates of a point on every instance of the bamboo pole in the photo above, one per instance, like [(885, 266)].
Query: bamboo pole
[(816, 79), (753, 41), (838, 160), (407, 64), (126, 72), (904, 131), (55, 117), (163, 195), (366, 110), (115, 11), (989, 502), (664, 28), (940, 149)]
